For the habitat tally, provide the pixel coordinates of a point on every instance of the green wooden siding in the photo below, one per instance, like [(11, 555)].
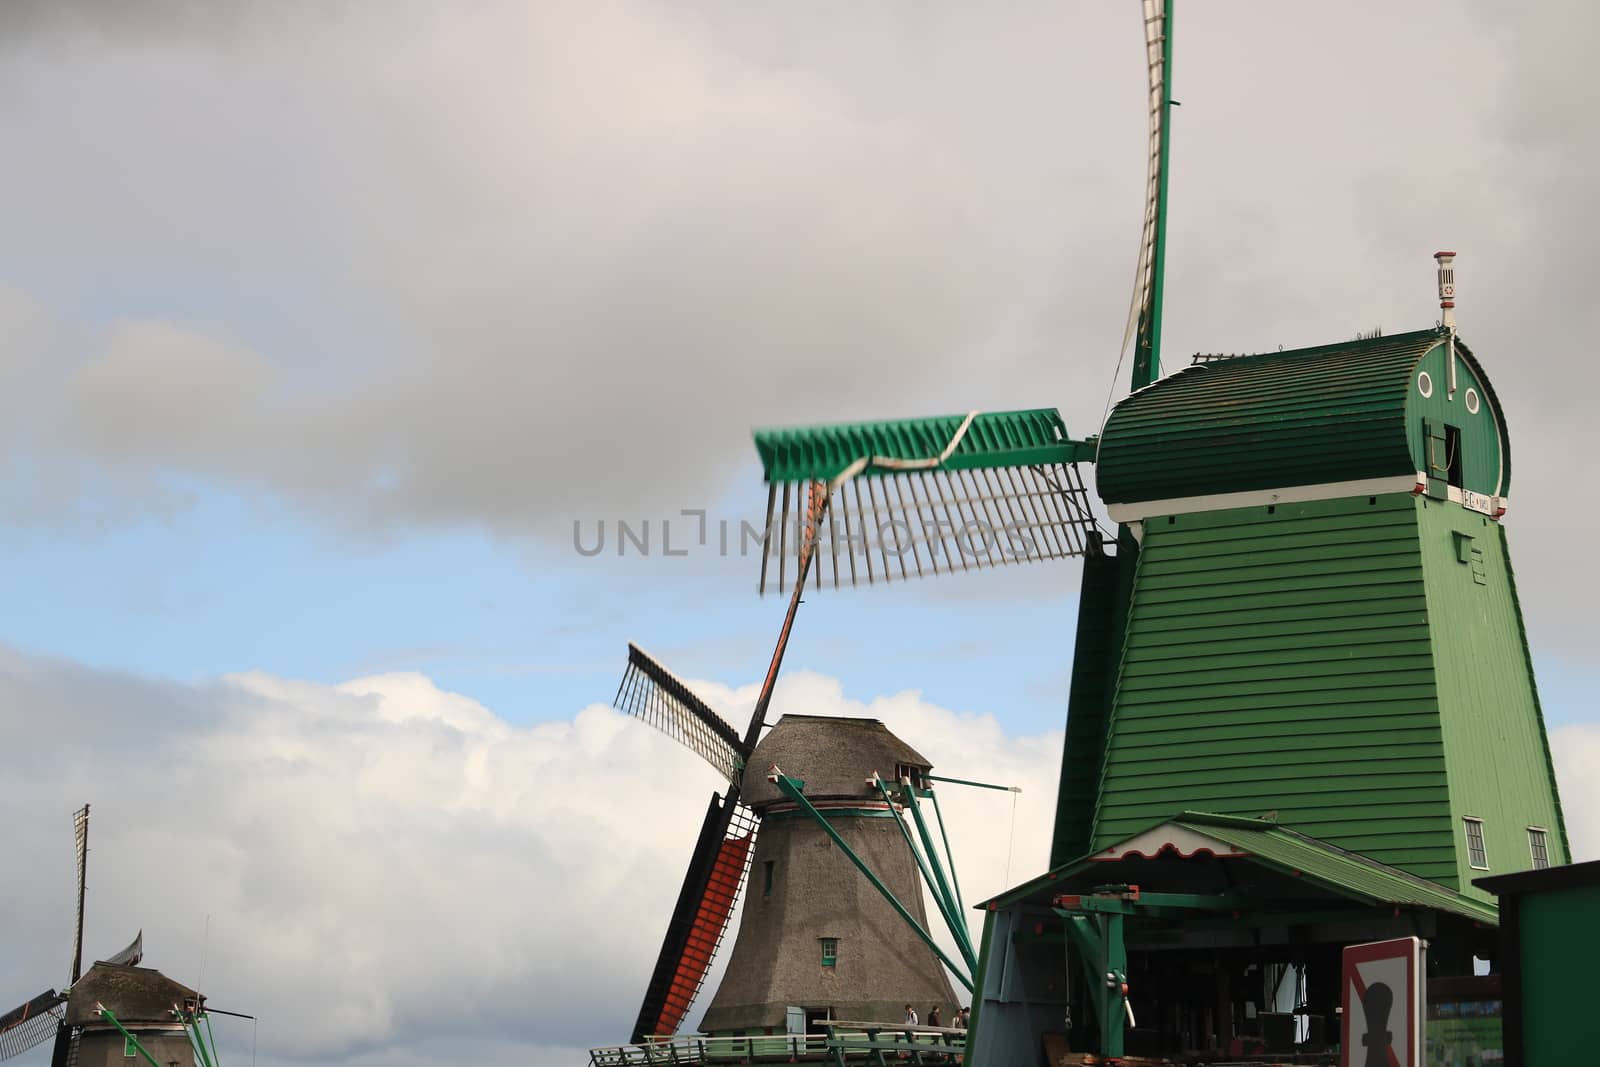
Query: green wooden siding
[(1494, 738), (1097, 652), (1280, 660)]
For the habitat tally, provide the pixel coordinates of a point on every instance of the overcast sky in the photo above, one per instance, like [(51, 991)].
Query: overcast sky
[(322, 325)]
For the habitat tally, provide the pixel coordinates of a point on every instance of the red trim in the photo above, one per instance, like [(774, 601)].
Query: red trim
[(709, 922), (1436, 255), (1406, 948), (1109, 855)]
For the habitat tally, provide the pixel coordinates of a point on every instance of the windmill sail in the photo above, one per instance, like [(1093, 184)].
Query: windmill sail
[(80, 830), (31, 1024), (653, 694), (700, 918), (721, 853), (919, 497)]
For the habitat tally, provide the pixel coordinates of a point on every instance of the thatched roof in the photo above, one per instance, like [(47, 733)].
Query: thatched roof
[(835, 756), (133, 994)]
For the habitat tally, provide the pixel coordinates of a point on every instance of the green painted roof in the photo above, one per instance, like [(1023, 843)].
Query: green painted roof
[(1309, 416), (1347, 873), (1344, 873), (995, 439)]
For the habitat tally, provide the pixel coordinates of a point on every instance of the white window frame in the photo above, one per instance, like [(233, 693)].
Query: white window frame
[(1543, 837), (1467, 822)]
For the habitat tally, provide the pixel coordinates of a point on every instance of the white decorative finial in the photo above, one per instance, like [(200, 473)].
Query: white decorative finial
[(1447, 288), (1447, 309)]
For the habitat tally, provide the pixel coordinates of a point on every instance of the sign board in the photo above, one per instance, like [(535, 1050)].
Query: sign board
[(1477, 502), (1382, 983)]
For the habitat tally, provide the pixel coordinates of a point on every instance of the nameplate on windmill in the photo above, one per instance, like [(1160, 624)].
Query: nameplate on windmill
[(1478, 502), (1383, 1020)]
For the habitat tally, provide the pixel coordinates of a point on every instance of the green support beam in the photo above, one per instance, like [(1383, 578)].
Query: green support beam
[(950, 918), (791, 788), (941, 887), (106, 1014), (950, 858), (1104, 956), (977, 785)]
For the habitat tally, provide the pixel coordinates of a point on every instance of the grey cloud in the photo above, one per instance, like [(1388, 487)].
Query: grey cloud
[(505, 265)]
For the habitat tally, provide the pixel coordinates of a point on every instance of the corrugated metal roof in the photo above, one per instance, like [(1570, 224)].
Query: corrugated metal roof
[(1304, 417), (1346, 874), (995, 439)]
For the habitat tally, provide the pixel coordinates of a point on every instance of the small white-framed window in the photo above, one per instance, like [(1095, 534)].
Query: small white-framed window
[(1477, 856), (1425, 384), (830, 951), (1538, 848)]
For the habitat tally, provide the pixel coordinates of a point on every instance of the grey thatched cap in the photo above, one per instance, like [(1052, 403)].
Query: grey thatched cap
[(835, 756), (133, 994)]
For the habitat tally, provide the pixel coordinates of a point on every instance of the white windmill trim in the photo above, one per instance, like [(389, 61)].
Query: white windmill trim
[(1168, 837), (1293, 494)]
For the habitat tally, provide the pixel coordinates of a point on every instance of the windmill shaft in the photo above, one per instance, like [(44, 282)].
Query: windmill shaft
[(816, 503)]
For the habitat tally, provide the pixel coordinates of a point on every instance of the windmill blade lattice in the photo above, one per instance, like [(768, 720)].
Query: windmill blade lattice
[(919, 497), (31, 1024), (717, 871), (653, 694)]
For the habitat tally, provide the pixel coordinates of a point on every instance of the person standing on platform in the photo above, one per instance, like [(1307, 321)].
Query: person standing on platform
[(933, 1016)]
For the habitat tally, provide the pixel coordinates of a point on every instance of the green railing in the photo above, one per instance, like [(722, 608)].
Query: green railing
[(854, 1044)]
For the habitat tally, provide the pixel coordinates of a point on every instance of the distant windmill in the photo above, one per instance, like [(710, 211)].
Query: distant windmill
[(722, 853), (35, 1021)]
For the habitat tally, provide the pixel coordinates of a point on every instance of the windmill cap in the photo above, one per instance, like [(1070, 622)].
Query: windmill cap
[(1444, 255), (835, 756)]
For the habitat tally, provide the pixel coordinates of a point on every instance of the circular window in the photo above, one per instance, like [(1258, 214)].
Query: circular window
[(1424, 384), (1472, 401)]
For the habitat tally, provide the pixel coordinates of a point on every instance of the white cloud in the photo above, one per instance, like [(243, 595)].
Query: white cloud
[(1576, 751), (381, 868), (384, 865)]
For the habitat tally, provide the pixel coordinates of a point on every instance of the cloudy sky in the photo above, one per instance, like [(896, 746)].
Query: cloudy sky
[(324, 327)]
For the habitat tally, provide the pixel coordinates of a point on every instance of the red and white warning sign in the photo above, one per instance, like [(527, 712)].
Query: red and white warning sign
[(1383, 1004)]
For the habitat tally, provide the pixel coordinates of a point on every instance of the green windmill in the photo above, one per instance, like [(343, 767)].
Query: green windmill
[(1302, 710)]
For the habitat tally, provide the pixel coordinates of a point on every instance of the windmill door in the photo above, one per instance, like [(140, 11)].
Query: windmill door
[(794, 1020)]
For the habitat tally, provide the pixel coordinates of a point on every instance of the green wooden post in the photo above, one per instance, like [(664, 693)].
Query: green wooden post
[(981, 977), (1114, 979), (1098, 937)]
